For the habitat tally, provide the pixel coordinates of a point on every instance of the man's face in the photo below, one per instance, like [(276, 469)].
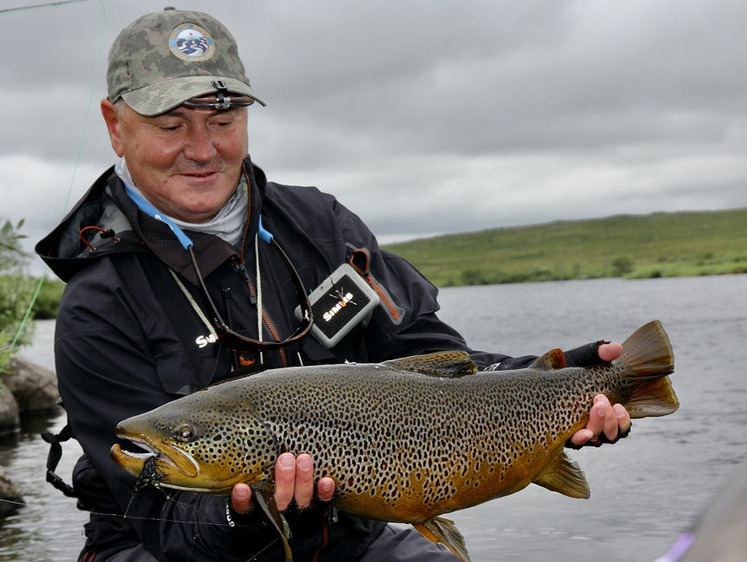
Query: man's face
[(186, 162)]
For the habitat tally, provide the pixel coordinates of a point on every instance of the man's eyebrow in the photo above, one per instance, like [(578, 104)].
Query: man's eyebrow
[(178, 111)]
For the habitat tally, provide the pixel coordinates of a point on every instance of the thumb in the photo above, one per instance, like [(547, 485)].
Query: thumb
[(241, 498)]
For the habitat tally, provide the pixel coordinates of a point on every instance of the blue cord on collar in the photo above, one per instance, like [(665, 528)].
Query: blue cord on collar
[(149, 209), (263, 234), (184, 240)]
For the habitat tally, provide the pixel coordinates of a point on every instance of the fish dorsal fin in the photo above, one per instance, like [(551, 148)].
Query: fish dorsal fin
[(443, 364), (553, 359), (440, 530), (564, 476)]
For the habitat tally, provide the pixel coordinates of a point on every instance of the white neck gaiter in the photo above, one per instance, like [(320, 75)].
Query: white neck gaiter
[(228, 224)]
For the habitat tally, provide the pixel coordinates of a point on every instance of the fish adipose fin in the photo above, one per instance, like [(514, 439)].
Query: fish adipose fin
[(263, 495), (443, 364), (647, 353), (564, 476), (440, 530)]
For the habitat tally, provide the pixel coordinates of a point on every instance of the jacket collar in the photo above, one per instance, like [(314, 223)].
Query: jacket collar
[(106, 221)]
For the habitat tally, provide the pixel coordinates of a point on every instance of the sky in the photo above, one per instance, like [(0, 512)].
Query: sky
[(424, 117)]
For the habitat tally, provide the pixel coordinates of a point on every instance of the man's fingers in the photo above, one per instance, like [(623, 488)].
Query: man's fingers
[(623, 418), (581, 437), (304, 481), (603, 418), (285, 480), (610, 351), (241, 498), (326, 489), (609, 426)]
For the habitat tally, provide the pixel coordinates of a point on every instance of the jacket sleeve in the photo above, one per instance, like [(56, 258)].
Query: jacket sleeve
[(108, 371), (419, 330)]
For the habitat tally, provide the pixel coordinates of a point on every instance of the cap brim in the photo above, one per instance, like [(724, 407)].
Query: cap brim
[(166, 95)]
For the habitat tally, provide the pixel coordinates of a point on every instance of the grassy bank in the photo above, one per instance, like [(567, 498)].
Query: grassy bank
[(22, 288), (632, 246), (657, 245)]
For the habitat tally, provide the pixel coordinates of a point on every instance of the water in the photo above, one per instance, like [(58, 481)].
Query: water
[(645, 490), (50, 527)]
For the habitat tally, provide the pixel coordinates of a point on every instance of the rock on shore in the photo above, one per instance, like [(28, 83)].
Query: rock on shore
[(34, 387), (25, 389), (10, 494)]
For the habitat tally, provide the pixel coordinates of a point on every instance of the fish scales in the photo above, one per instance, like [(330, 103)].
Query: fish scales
[(413, 443), (405, 440)]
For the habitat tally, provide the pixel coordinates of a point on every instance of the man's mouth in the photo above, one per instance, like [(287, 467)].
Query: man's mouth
[(199, 174)]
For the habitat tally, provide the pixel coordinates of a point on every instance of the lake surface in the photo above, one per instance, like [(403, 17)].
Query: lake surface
[(646, 490)]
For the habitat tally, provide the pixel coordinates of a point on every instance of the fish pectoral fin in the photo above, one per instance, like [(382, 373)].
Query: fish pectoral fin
[(563, 475), (440, 530), (442, 364), (264, 496)]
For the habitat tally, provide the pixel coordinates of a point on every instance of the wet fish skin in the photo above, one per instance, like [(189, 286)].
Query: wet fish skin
[(405, 440)]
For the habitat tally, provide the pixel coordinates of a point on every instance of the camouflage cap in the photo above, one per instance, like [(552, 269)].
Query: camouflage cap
[(165, 58)]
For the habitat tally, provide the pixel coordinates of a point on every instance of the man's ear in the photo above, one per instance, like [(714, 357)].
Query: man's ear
[(113, 125)]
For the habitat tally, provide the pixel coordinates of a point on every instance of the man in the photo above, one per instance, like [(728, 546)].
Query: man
[(185, 267)]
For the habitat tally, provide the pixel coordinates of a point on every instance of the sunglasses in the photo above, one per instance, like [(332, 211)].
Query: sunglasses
[(231, 339), (242, 344), (221, 99)]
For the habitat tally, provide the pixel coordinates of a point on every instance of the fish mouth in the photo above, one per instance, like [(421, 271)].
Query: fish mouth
[(172, 462)]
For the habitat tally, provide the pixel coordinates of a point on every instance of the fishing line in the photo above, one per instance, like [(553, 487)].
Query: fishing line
[(89, 104), (219, 523), (45, 5), (29, 309), (78, 156), (13, 502)]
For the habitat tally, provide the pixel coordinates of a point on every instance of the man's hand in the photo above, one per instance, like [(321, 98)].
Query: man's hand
[(294, 479), (604, 417)]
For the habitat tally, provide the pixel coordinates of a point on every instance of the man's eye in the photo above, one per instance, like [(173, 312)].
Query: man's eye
[(222, 122)]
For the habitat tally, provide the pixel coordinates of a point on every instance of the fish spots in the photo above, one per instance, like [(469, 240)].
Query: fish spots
[(398, 444)]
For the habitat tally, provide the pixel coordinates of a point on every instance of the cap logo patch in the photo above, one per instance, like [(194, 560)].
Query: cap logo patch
[(190, 42)]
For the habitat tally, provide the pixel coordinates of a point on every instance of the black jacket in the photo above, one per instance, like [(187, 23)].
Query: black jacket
[(128, 340)]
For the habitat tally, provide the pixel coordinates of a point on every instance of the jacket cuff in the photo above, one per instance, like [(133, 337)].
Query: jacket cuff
[(585, 356)]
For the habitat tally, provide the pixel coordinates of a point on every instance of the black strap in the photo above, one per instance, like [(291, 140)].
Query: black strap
[(53, 459)]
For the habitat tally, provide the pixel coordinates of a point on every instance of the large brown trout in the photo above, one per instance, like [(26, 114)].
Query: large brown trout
[(404, 440)]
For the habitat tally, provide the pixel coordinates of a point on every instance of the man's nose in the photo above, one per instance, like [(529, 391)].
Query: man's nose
[(199, 146)]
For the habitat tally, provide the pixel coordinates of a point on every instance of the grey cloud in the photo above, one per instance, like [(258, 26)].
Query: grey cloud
[(428, 117)]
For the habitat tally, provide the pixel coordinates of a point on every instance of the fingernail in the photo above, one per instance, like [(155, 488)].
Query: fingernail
[(326, 486), (304, 463), (287, 462), (602, 411)]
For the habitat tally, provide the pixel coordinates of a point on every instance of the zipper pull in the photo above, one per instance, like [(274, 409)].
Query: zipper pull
[(241, 270)]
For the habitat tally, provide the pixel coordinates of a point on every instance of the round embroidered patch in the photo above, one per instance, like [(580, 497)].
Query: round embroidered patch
[(191, 42)]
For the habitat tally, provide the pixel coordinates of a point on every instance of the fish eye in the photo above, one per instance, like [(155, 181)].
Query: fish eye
[(185, 432)]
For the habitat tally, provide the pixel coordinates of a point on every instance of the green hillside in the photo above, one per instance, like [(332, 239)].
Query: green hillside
[(632, 246)]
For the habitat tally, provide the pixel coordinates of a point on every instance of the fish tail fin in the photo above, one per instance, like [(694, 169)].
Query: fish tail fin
[(440, 530), (648, 356)]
